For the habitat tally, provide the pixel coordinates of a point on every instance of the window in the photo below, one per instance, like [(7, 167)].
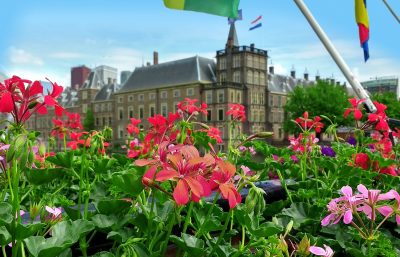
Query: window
[(84, 108), (164, 94), (96, 108), (261, 98), (250, 77), (152, 96), (190, 92), (209, 113), (208, 97), (152, 110), (221, 96), (222, 77), (120, 99), (84, 95), (104, 121), (222, 63), (238, 97), (141, 112), (236, 77), (249, 61), (120, 113), (130, 111), (177, 93), (120, 132), (164, 109), (109, 121), (256, 78), (220, 114), (236, 61), (97, 122), (262, 78), (130, 98), (109, 107), (279, 101), (141, 97), (103, 107), (232, 96)]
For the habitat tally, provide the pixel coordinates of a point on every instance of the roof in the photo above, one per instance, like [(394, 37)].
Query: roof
[(94, 81), (69, 97), (233, 36), (180, 72), (105, 93), (278, 83)]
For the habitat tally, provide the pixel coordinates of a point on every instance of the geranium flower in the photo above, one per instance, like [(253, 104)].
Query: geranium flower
[(189, 106), (214, 133), (362, 160), (379, 118), (132, 127), (357, 112), (221, 178), (317, 124), (304, 121), (327, 252), (372, 197), (237, 111)]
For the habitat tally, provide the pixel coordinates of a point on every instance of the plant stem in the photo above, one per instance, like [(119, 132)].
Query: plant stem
[(170, 226), (283, 183), (187, 219), (208, 214), (3, 249), (243, 238), (221, 236)]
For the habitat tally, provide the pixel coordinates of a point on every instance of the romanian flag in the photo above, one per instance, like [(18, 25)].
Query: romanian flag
[(226, 8), (363, 25)]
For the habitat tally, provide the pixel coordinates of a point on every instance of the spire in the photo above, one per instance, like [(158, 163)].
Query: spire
[(232, 37)]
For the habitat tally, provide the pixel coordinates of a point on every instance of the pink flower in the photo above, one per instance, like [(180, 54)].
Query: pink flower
[(372, 197), (327, 252), (56, 212), (252, 151)]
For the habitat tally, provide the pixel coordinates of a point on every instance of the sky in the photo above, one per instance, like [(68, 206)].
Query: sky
[(46, 38)]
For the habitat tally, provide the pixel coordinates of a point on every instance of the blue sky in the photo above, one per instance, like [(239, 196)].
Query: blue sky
[(46, 38)]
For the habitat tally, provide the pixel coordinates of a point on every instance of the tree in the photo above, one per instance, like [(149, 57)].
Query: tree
[(88, 123), (389, 99), (321, 99)]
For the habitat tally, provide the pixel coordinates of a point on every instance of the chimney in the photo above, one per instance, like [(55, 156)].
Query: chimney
[(109, 80), (333, 81), (293, 73), (337, 83), (252, 47), (271, 69), (155, 58), (306, 75), (148, 64)]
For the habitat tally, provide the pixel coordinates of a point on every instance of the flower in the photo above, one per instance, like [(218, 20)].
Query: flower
[(215, 133), (379, 117), (252, 151), (328, 151), (357, 113), (352, 141), (132, 127), (304, 121), (189, 106), (237, 111), (362, 160), (221, 178), (327, 252)]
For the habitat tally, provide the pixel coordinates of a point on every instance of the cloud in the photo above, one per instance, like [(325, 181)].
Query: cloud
[(20, 56), (66, 55)]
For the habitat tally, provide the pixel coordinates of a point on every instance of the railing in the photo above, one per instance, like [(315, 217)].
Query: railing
[(249, 49)]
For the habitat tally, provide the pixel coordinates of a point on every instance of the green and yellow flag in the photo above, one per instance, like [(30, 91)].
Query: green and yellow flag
[(226, 8)]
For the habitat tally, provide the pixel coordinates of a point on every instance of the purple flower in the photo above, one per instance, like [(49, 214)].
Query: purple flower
[(294, 158), (252, 151), (327, 252), (328, 151), (242, 148), (352, 141)]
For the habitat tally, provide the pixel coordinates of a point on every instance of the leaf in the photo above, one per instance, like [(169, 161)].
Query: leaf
[(5, 236), (163, 211), (129, 182), (5, 213), (107, 206), (302, 213), (39, 177), (103, 164), (104, 221), (267, 229), (190, 244), (23, 231), (62, 159)]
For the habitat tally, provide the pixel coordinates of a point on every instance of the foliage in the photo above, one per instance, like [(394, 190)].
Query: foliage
[(323, 98), (88, 123)]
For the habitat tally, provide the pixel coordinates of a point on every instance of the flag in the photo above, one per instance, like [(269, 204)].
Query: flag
[(256, 26), (258, 18), (363, 25), (227, 8), (239, 18)]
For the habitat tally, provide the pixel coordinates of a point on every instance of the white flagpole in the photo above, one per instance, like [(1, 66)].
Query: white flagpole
[(355, 84)]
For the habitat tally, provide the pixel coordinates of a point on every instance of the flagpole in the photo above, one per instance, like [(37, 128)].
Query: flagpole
[(355, 84)]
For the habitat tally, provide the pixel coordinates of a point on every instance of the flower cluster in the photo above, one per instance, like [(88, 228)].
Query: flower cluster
[(65, 127), (237, 111), (21, 98), (308, 124)]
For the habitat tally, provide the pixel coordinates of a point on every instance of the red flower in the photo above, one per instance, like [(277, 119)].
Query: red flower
[(391, 170), (132, 127), (317, 124), (304, 121), (186, 167), (362, 160), (189, 106), (379, 118), (222, 179), (214, 133), (237, 111), (357, 113)]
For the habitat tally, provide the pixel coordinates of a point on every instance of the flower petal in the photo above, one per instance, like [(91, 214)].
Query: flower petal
[(317, 250), (181, 194)]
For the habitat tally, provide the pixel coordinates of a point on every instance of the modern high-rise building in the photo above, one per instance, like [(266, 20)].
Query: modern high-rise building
[(79, 75), (383, 84)]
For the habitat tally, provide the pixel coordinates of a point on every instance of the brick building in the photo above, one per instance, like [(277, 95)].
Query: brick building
[(239, 75), (79, 75)]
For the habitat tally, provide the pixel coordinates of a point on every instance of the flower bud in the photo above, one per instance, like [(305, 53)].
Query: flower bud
[(303, 246)]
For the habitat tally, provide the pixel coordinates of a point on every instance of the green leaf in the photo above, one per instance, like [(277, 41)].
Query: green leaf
[(107, 206), (5, 236), (190, 244), (128, 182), (23, 231), (62, 159), (104, 221), (102, 164), (267, 229), (39, 177), (38, 246), (6, 216), (302, 214)]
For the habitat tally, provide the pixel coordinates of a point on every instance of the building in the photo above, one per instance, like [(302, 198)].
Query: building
[(124, 76), (383, 84), (79, 75), (239, 75), (107, 74)]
